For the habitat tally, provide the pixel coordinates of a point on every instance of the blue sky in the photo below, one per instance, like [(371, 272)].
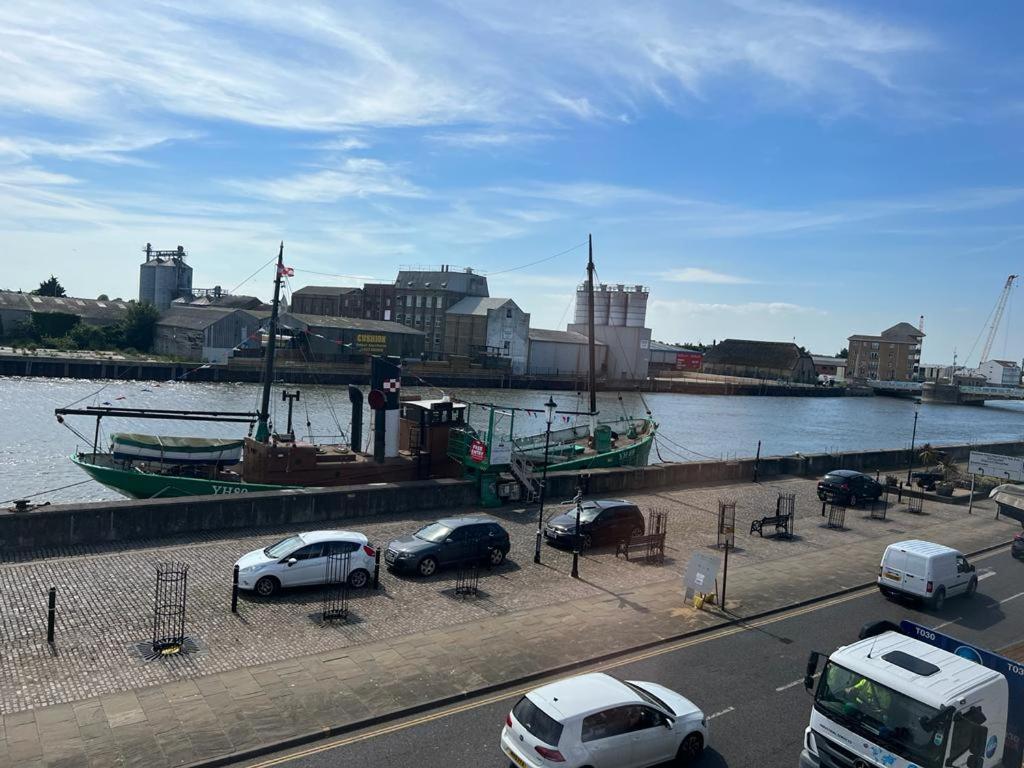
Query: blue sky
[(772, 170)]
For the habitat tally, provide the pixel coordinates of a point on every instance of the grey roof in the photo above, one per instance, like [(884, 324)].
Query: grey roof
[(902, 331), (560, 337), (826, 360), (84, 308), (756, 354), (455, 282), (479, 305), (230, 302), (195, 318), (354, 323), (660, 346), (325, 290)]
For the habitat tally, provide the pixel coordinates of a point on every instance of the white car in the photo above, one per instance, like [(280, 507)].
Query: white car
[(302, 559), (597, 721)]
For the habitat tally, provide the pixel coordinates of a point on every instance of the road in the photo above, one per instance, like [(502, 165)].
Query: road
[(747, 679)]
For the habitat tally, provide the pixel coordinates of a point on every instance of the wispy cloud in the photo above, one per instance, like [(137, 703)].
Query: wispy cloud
[(353, 177), (342, 144), (701, 275), (486, 139), (769, 308)]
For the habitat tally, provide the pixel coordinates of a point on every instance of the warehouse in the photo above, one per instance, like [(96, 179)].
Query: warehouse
[(209, 334), (562, 353), (351, 338)]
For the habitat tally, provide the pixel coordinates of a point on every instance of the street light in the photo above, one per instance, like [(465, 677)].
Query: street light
[(913, 438), (549, 408), (576, 539)]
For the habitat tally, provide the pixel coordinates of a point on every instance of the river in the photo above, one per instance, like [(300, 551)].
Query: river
[(34, 448)]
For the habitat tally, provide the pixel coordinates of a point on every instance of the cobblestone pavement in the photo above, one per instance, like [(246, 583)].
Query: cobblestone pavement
[(105, 596)]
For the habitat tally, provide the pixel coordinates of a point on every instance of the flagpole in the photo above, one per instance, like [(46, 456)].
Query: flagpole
[(263, 427)]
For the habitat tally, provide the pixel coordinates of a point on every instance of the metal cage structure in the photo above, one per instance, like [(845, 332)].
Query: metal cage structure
[(335, 603)]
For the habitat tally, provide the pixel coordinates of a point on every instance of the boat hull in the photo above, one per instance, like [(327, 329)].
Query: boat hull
[(144, 485), (633, 455)]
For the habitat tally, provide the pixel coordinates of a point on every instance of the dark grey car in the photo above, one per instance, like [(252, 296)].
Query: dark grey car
[(604, 521), (447, 541), (847, 487)]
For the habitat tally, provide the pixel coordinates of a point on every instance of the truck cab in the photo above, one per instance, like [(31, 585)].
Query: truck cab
[(897, 701)]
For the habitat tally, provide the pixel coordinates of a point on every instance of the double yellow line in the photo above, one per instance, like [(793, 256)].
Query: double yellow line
[(602, 667)]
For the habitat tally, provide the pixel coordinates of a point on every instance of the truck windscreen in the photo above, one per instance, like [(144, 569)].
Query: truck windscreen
[(881, 715)]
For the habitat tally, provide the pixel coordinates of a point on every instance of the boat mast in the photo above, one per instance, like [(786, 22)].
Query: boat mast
[(592, 378), (263, 427)]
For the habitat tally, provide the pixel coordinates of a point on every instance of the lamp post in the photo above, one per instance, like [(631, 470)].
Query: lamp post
[(549, 408), (913, 438), (576, 538)]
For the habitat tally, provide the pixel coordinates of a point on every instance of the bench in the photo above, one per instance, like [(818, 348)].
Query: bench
[(783, 525), (651, 545)]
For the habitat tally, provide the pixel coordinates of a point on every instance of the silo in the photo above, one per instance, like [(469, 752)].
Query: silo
[(147, 281), (580, 315), (636, 312), (617, 306), (602, 300)]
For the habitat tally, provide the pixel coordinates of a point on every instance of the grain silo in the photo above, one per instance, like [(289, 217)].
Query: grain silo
[(163, 277)]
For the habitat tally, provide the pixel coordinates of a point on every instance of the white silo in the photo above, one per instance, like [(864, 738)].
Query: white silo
[(636, 312), (617, 302), (164, 276), (582, 303)]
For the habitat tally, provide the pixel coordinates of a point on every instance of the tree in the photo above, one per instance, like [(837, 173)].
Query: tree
[(844, 353), (139, 325), (103, 297), (50, 287)]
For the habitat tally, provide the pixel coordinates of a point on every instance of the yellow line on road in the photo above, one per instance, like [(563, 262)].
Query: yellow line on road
[(509, 694)]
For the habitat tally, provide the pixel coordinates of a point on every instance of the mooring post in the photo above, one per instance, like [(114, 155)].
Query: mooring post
[(757, 460), (234, 590), (823, 508), (725, 573), (376, 569), (51, 615)]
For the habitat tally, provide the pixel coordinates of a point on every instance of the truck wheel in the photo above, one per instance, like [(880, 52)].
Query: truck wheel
[(940, 599), (972, 587)]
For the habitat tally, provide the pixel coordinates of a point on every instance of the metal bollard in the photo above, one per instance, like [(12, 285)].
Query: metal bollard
[(51, 615), (822, 508), (376, 569), (234, 590), (899, 493)]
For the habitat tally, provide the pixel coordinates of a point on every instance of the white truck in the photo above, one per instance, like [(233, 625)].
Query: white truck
[(909, 697)]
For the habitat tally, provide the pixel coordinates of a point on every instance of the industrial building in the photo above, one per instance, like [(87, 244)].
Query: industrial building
[(351, 338), (563, 353), (620, 314), (423, 297), (17, 307), (328, 300), (163, 277), (209, 334), (1001, 373), (378, 301), (833, 367), (488, 330), (672, 357), (895, 355), (777, 360)]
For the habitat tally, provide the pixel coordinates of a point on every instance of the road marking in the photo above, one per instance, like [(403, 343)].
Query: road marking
[(511, 694), (1011, 597), (947, 623), (986, 574), (787, 686), (725, 711)]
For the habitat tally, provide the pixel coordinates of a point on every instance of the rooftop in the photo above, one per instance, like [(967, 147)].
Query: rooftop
[(761, 354), (354, 323), (324, 290), (560, 337), (660, 346), (86, 308), (196, 318), (479, 305), (454, 282)]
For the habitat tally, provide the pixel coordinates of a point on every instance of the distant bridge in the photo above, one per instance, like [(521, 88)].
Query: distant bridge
[(933, 392)]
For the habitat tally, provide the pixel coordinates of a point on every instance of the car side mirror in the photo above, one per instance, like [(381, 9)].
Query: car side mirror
[(667, 721), (291, 561), (447, 541), (812, 670)]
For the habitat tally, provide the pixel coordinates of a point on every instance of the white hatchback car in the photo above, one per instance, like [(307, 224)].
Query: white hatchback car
[(302, 559), (597, 721)]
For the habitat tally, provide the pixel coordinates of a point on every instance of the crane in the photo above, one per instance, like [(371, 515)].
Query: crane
[(997, 317)]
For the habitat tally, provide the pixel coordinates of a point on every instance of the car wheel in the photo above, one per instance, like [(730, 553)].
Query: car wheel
[(885, 593), (496, 556), (586, 541), (427, 566), (972, 586), (358, 579), (853, 500), (267, 586), (690, 749), (940, 599)]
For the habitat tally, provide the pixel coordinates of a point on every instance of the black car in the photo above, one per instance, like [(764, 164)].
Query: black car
[(1017, 548), (447, 541), (604, 521), (844, 486)]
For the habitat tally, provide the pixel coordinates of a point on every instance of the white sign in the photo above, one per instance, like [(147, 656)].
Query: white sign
[(501, 451), (995, 465), (701, 572)]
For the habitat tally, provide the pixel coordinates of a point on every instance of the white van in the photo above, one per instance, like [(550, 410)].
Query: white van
[(925, 571)]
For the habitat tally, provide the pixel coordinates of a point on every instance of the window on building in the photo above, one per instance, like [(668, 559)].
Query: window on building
[(508, 315), (874, 345)]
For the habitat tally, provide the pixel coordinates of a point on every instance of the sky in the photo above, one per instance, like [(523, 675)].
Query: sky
[(772, 170)]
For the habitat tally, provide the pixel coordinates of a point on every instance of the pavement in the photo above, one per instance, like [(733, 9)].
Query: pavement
[(272, 674), (747, 680)]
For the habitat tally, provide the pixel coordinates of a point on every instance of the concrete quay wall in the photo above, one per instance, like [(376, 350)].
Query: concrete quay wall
[(100, 522)]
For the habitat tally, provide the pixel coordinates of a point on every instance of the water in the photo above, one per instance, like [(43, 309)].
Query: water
[(34, 448)]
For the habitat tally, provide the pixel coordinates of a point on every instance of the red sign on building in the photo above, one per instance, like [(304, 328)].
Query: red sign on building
[(689, 361), (477, 451)]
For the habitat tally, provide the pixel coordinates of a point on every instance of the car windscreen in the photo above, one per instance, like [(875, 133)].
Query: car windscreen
[(838, 479), (881, 715), (284, 546), (650, 698), (537, 721), (587, 514), (435, 532)]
